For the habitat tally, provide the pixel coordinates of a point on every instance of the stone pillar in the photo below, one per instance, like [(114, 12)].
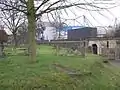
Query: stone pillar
[(0, 51), (82, 48), (117, 51)]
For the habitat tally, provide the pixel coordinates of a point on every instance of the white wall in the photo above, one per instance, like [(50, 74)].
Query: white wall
[(98, 45), (49, 33), (103, 44), (63, 35)]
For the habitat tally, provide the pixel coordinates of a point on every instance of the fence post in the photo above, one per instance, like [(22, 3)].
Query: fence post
[(82, 46)]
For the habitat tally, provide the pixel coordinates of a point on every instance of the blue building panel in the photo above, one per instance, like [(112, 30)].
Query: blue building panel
[(76, 34), (68, 28)]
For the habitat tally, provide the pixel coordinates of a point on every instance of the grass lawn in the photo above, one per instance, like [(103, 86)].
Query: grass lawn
[(16, 73)]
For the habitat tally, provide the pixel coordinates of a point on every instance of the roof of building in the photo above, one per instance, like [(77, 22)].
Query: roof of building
[(67, 28), (7, 31), (2, 32)]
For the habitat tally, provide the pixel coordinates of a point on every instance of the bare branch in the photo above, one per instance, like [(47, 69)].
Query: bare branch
[(12, 19), (10, 5), (44, 1), (23, 1), (50, 9)]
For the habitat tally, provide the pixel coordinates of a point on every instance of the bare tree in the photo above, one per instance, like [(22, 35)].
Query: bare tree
[(40, 27), (33, 11), (23, 33), (110, 32), (117, 31), (12, 19)]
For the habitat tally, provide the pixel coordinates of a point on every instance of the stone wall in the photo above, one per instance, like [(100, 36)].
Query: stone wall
[(102, 45)]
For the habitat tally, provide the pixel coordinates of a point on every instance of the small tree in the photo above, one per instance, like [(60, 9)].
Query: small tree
[(23, 33)]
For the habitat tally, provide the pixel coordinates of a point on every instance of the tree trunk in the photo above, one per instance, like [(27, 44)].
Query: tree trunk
[(31, 30), (15, 39)]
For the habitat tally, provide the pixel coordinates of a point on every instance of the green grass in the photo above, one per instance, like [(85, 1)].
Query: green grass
[(16, 73)]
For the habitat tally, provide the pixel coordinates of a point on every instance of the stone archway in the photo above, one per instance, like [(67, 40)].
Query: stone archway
[(95, 48)]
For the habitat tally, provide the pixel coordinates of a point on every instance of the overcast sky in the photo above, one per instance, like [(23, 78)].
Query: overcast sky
[(93, 18), (103, 17)]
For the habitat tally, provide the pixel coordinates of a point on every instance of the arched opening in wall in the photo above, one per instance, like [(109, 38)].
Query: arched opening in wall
[(94, 48)]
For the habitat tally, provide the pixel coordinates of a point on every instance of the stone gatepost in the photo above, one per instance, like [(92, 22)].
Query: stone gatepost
[(1, 51), (117, 51)]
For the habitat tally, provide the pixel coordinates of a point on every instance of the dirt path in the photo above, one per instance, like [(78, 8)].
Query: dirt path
[(70, 71), (115, 63)]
